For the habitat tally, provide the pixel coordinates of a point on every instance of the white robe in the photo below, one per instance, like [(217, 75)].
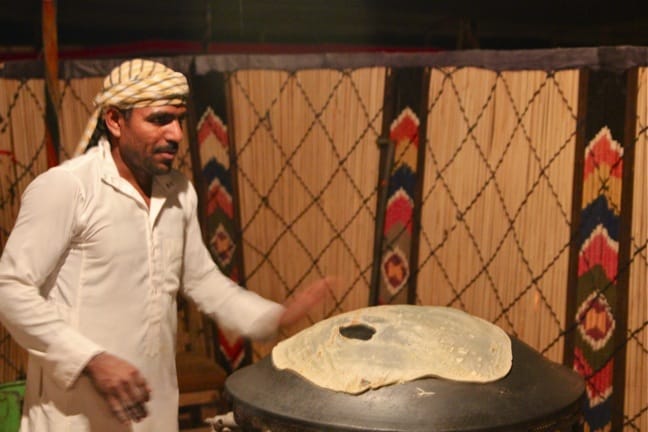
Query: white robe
[(90, 268)]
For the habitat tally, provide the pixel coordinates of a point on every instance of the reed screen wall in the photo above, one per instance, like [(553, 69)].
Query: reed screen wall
[(482, 196), (497, 197)]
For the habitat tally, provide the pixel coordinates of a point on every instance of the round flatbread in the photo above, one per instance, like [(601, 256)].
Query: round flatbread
[(376, 346)]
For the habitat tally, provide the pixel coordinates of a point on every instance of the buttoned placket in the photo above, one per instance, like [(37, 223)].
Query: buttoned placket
[(155, 253), (158, 198), (153, 306), (160, 189)]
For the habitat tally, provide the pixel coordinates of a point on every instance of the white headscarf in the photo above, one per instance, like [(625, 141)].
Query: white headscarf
[(135, 84)]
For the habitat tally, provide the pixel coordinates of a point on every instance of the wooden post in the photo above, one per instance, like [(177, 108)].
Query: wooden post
[(52, 91)]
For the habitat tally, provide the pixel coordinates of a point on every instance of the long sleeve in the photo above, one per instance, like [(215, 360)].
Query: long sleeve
[(36, 248), (233, 307)]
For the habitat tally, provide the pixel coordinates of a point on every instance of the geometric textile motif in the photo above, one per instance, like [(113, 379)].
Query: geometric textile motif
[(212, 135), (598, 384), (214, 151), (218, 197), (595, 321), (399, 212), (397, 231), (395, 270), (599, 249), (232, 348), (222, 246), (598, 257), (598, 418)]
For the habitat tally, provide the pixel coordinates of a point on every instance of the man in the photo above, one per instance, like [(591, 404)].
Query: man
[(90, 273)]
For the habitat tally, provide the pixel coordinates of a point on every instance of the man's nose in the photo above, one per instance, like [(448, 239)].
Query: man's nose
[(174, 131)]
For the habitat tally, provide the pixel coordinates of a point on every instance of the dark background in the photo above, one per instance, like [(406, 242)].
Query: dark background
[(90, 28)]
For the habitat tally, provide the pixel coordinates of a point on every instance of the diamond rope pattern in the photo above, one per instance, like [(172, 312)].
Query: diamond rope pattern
[(20, 162), (635, 416), (510, 209), (305, 136), (317, 197)]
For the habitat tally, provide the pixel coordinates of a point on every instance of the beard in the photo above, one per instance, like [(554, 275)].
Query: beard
[(162, 165), (159, 167)]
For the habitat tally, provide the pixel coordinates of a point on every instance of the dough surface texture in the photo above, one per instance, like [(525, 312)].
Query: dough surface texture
[(377, 346)]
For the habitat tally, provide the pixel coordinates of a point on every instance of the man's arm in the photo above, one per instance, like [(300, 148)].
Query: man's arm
[(44, 228), (233, 307)]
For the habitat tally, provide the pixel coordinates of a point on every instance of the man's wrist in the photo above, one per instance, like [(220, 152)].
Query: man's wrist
[(87, 369)]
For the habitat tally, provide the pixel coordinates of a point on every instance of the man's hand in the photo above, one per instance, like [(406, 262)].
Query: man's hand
[(121, 385), (298, 306)]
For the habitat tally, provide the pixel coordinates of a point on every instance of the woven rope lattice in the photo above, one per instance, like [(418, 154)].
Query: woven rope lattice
[(499, 169), (496, 193), (307, 160), (636, 401), (22, 158)]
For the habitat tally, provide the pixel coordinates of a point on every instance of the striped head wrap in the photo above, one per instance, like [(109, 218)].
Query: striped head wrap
[(135, 83)]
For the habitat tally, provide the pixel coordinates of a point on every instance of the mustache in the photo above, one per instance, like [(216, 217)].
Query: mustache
[(170, 147)]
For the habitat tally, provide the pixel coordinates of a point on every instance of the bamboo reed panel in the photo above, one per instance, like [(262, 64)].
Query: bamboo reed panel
[(23, 158), (24, 134), (516, 124), (21, 142), (290, 155), (636, 396), (76, 108)]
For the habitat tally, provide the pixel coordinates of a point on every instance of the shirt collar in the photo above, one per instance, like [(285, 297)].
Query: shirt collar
[(109, 170)]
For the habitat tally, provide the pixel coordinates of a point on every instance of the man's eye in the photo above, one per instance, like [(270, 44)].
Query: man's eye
[(165, 120), (162, 120)]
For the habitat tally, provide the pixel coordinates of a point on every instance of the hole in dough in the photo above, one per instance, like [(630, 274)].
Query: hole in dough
[(358, 331)]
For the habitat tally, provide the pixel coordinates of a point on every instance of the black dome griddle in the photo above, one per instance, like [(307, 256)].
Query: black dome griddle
[(536, 395)]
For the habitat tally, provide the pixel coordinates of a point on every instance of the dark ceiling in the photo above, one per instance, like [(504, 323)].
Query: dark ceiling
[(159, 25)]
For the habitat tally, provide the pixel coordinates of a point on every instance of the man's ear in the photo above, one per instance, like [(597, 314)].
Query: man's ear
[(112, 117)]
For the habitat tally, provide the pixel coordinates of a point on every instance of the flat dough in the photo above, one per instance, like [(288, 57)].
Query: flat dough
[(393, 344)]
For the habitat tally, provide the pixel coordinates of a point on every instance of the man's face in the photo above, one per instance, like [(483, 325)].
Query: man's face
[(150, 137)]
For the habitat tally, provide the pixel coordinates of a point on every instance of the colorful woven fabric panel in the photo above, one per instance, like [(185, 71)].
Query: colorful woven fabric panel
[(395, 266), (218, 191), (597, 274), (403, 126)]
